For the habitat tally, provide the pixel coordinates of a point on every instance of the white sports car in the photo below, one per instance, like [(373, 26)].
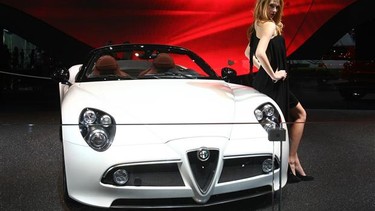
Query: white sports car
[(155, 126)]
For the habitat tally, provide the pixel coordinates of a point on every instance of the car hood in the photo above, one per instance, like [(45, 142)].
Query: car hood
[(168, 109), (161, 101)]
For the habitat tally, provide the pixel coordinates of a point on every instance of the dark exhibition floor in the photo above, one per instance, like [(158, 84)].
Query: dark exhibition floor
[(338, 149)]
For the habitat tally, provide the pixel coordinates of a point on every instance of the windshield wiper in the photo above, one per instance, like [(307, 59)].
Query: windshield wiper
[(114, 77), (149, 76), (179, 73)]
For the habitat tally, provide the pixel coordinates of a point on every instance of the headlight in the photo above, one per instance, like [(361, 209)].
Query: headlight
[(97, 128), (268, 110), (267, 116), (89, 116), (258, 114), (98, 139), (106, 120)]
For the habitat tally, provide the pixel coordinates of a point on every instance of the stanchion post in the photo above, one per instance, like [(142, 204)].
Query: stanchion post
[(278, 134)]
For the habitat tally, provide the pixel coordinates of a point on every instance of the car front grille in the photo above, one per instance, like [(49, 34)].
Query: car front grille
[(203, 171), (168, 174), (160, 174), (236, 168)]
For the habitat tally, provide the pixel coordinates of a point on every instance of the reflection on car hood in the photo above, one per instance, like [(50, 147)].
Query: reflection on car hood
[(163, 101)]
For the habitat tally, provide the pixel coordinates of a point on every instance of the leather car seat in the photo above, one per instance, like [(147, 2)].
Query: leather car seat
[(162, 63), (107, 65)]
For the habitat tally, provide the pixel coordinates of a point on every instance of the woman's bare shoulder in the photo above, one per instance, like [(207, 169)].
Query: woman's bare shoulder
[(266, 28), (266, 24)]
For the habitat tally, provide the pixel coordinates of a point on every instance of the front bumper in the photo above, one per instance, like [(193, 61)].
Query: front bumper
[(236, 173)]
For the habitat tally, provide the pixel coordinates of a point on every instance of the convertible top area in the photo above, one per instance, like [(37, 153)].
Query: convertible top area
[(134, 67), (133, 61)]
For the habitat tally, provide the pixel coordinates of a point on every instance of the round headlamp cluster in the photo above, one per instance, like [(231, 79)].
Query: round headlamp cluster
[(97, 128), (267, 116)]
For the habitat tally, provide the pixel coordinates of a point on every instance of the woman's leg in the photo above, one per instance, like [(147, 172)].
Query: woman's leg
[(298, 115)]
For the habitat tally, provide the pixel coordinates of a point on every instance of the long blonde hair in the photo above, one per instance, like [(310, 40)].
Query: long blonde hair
[(261, 15)]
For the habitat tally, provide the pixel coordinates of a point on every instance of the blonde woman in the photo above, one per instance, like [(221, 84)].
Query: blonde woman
[(268, 53)]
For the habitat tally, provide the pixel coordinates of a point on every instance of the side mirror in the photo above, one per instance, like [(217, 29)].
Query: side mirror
[(228, 74), (62, 75)]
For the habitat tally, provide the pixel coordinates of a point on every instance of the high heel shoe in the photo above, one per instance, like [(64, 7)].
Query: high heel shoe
[(304, 178), (291, 177)]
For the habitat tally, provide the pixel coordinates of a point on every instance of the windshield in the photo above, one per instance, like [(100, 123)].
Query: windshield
[(128, 62)]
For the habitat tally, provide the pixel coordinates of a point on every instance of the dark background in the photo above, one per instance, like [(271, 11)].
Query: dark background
[(330, 44)]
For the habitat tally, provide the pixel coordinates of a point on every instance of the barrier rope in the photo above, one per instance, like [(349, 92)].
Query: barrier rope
[(25, 76)]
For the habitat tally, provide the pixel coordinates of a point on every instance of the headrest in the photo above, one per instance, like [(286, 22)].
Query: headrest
[(163, 61), (105, 63)]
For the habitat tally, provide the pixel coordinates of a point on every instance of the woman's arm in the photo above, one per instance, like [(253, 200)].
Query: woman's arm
[(255, 60), (247, 51), (265, 32)]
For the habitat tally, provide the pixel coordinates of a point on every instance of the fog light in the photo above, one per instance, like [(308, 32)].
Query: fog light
[(267, 165), (120, 177)]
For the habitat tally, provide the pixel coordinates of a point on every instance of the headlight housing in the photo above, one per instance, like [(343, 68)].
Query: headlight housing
[(97, 128), (268, 116)]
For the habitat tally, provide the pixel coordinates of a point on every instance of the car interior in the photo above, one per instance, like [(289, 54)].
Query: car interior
[(107, 65)]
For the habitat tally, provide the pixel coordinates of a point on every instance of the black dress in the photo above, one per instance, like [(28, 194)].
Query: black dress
[(279, 91)]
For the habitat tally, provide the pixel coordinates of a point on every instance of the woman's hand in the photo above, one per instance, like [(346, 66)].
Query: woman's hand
[(279, 75)]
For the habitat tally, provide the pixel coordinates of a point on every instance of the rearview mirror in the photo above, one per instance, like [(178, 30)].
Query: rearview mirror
[(61, 75), (228, 74)]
